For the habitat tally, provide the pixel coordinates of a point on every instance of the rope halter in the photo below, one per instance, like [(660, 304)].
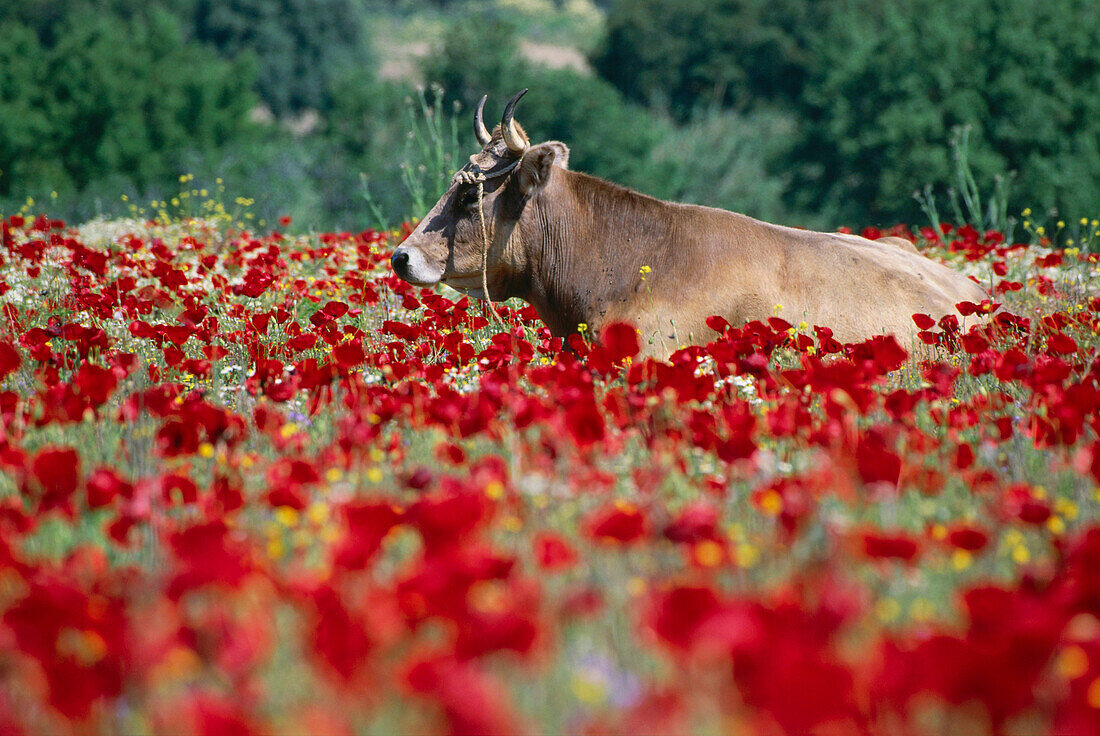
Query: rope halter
[(472, 174)]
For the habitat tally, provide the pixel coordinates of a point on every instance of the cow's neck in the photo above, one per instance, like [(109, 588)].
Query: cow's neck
[(586, 242)]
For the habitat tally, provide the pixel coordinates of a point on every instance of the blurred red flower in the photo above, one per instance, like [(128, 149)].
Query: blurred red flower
[(617, 522)]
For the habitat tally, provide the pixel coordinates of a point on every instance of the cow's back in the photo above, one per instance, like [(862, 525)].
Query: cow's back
[(861, 287), (747, 269)]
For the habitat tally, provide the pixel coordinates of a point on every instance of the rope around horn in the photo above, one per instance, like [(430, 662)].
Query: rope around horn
[(479, 178)]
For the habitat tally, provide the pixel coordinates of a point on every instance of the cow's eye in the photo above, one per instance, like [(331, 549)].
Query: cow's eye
[(468, 199)]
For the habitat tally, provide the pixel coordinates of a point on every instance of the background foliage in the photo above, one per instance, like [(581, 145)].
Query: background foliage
[(812, 113), (876, 89), (93, 95)]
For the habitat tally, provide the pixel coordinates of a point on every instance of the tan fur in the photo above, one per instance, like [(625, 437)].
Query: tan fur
[(575, 247), (900, 243)]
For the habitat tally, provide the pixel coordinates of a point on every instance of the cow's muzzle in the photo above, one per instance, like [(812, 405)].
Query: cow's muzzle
[(411, 265)]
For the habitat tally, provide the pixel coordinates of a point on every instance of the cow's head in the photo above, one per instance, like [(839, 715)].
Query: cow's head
[(447, 246)]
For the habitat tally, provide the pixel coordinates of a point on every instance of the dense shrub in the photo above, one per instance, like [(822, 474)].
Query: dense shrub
[(388, 151), (467, 67), (686, 53), (103, 93), (607, 136), (878, 87), (720, 159), (819, 112), (891, 81), (301, 46)]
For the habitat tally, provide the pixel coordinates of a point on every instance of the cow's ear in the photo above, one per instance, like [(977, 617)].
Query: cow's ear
[(537, 165)]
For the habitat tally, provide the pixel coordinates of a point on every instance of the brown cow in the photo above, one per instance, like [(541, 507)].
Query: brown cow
[(585, 251)]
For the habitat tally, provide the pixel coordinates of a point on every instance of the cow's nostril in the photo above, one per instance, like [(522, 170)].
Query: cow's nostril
[(400, 259)]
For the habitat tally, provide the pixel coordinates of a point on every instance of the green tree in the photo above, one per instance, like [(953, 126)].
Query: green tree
[(720, 159), (467, 67), (110, 94), (367, 135), (891, 80), (28, 149), (301, 46), (693, 52), (606, 135), (876, 89)]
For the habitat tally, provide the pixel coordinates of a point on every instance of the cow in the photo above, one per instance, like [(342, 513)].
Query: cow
[(516, 221)]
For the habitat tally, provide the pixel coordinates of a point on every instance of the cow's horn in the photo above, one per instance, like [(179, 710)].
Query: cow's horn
[(508, 128), (482, 134)]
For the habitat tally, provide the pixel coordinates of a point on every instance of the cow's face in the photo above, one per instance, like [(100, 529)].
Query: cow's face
[(447, 245)]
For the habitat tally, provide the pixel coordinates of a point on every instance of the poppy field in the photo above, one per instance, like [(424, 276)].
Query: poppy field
[(254, 483)]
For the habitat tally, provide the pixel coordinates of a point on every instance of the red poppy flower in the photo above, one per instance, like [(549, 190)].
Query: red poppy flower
[(584, 423), (349, 354), (877, 545), (471, 701), (103, 486), (9, 359), (617, 522), (208, 554), (876, 462), (339, 637), (620, 340), (55, 475), (368, 523), (553, 553), (79, 640), (696, 522), (967, 538)]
